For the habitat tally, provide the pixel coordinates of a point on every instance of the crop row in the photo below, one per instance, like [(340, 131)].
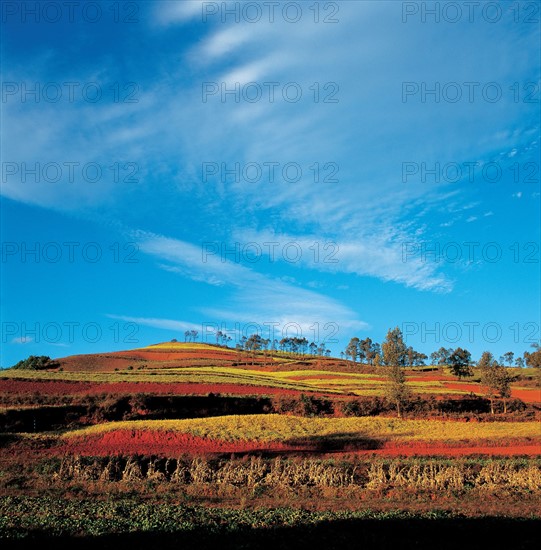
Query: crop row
[(416, 475)]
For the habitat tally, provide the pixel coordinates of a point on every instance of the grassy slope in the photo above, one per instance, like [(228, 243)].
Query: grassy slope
[(273, 427), (177, 362)]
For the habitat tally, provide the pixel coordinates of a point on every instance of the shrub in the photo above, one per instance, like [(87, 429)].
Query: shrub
[(282, 404), (113, 408), (306, 405), (370, 406), (312, 406)]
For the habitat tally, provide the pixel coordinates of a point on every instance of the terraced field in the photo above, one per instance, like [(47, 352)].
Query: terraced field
[(198, 423), (319, 381)]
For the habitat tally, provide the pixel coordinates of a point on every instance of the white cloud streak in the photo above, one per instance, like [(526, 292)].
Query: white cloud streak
[(251, 296), (369, 212)]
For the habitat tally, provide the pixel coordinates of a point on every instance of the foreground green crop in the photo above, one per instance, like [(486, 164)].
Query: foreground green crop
[(74, 521)]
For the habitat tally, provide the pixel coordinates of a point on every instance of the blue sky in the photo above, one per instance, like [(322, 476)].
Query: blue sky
[(335, 224)]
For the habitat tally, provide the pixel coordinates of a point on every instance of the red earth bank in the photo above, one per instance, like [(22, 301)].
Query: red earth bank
[(174, 444), (56, 387)]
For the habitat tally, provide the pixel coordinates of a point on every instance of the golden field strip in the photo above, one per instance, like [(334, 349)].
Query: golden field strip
[(273, 427), (185, 346)]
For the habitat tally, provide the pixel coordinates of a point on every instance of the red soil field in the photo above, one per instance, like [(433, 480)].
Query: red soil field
[(47, 387), (174, 444), (122, 359), (172, 356), (430, 378), (513, 450), (316, 377), (60, 387), (160, 444), (57, 387), (528, 396), (94, 363)]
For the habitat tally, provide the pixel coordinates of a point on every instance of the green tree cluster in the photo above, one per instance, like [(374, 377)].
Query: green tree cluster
[(36, 362)]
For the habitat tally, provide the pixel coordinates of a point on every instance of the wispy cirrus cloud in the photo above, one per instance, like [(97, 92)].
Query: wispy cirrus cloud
[(22, 340), (251, 296), (177, 11), (382, 255)]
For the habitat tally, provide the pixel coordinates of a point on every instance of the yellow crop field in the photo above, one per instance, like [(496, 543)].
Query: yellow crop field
[(274, 427), (185, 346)]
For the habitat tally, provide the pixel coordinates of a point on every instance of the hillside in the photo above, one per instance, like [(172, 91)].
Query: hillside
[(163, 355), (183, 422), (197, 369)]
